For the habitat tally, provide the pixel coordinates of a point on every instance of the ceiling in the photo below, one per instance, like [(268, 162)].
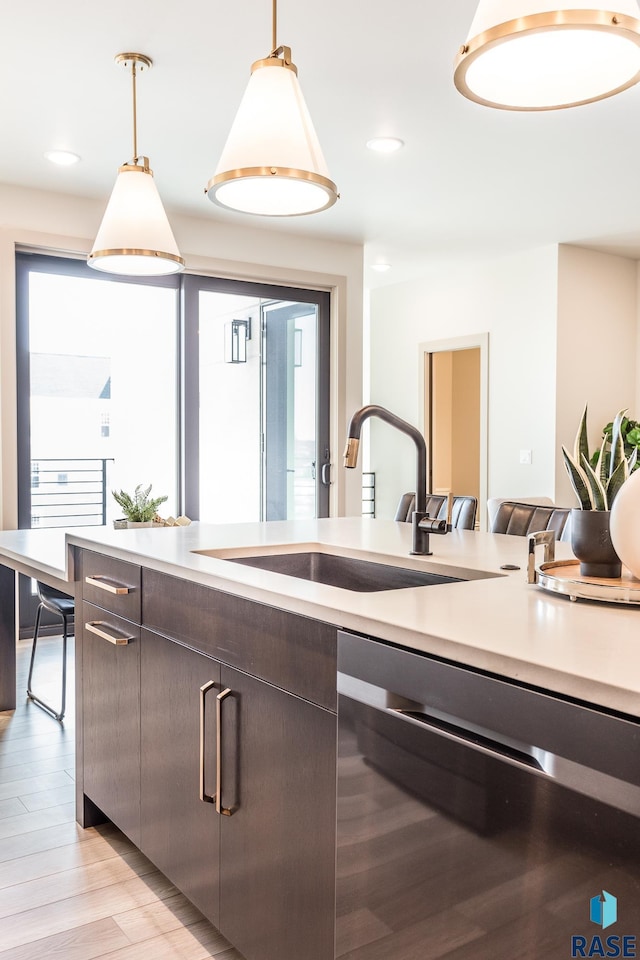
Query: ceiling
[(470, 180)]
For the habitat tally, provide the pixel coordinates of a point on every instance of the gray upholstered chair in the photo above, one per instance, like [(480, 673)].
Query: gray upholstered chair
[(463, 513), (407, 505), (463, 510), (520, 519)]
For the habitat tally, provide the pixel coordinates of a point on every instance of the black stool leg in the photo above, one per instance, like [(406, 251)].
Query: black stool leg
[(30, 694), (33, 650)]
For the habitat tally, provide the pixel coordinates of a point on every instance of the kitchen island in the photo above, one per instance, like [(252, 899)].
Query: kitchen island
[(207, 722), (501, 624)]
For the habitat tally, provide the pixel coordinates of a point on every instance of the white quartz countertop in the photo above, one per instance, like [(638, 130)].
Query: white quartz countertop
[(584, 649)]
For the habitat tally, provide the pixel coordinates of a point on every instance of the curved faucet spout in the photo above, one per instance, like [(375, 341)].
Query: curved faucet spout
[(353, 443)]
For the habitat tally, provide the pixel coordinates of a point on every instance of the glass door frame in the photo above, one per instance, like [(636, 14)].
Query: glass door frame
[(192, 284)]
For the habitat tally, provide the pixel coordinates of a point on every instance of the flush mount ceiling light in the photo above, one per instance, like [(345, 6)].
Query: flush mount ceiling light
[(272, 163), (385, 144), (520, 55), (135, 238), (381, 267), (62, 158)]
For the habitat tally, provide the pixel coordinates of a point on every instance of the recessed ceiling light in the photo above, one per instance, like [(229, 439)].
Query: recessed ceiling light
[(385, 144), (63, 158), (381, 267)]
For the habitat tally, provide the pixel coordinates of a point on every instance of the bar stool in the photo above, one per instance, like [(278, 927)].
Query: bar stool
[(62, 606)]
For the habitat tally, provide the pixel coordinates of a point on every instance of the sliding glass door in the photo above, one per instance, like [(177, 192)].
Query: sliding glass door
[(256, 401), (214, 391)]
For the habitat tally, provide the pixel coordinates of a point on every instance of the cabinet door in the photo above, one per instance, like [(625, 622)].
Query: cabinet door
[(111, 716), (179, 830), (277, 845)]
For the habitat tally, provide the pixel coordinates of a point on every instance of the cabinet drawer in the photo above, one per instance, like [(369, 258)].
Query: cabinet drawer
[(112, 584), (293, 652), (106, 626)]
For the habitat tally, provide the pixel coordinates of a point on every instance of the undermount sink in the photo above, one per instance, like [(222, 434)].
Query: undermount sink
[(363, 576)]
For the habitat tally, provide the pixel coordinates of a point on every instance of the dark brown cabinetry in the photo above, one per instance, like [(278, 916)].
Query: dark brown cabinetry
[(180, 831), (212, 743), (108, 677), (277, 849), (112, 720)]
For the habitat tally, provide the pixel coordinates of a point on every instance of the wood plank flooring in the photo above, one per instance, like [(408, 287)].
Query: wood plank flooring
[(68, 893)]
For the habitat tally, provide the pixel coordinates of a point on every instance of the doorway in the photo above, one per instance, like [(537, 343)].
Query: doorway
[(454, 410)]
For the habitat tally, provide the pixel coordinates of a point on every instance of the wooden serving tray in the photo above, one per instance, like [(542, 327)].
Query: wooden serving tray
[(563, 576)]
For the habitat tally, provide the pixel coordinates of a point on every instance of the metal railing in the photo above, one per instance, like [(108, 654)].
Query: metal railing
[(368, 493), (69, 492)]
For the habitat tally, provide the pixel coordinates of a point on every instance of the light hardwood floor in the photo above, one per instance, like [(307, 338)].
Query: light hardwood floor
[(66, 892)]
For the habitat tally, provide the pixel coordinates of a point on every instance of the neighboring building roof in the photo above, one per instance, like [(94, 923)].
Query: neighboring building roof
[(65, 375)]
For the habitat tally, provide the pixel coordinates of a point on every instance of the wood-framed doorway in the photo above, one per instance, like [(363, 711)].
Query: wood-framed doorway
[(445, 367)]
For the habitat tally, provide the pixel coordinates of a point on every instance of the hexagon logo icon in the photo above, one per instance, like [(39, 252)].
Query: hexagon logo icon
[(603, 909)]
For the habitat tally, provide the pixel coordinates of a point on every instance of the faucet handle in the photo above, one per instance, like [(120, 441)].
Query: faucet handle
[(351, 452), (433, 525), (423, 525)]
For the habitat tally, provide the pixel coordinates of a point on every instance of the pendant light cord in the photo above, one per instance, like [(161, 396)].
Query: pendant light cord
[(274, 26), (135, 113)]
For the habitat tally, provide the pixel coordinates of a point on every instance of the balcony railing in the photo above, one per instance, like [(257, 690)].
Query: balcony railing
[(69, 493)]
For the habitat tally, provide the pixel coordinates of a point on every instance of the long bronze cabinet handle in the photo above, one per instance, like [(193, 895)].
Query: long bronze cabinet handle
[(106, 583), (204, 689), (223, 811), (106, 632)]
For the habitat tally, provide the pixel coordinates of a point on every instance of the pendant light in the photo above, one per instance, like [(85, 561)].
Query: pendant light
[(272, 163), (522, 55), (135, 238)]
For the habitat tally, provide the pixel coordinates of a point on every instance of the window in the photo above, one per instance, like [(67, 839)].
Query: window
[(98, 390)]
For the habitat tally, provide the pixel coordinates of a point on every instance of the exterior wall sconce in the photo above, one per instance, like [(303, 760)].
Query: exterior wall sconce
[(236, 334)]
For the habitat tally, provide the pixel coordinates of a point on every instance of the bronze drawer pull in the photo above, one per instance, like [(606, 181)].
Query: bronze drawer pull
[(102, 630), (105, 583), (204, 689), (223, 811)]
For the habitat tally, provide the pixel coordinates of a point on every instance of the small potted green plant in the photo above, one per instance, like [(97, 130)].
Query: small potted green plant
[(630, 430), (139, 509), (596, 482)]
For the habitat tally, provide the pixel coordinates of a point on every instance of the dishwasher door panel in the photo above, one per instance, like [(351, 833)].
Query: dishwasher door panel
[(452, 844)]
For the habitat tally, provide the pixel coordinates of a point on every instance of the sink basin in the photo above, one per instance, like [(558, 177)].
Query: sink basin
[(349, 573)]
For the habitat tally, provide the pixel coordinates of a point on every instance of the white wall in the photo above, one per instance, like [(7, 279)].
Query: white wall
[(597, 347), (564, 330), (512, 298), (68, 224)]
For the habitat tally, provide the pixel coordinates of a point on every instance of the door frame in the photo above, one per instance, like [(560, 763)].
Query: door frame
[(425, 348)]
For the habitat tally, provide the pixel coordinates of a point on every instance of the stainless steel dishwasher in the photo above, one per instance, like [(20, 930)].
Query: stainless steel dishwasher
[(480, 819)]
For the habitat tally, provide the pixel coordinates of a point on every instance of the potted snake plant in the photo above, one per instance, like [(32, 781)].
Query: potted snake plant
[(139, 509), (596, 487)]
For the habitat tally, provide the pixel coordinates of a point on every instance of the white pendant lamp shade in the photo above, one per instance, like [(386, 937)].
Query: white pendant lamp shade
[(522, 55), (135, 238), (272, 164)]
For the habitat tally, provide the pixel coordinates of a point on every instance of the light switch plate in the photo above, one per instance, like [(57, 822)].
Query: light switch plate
[(525, 457)]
